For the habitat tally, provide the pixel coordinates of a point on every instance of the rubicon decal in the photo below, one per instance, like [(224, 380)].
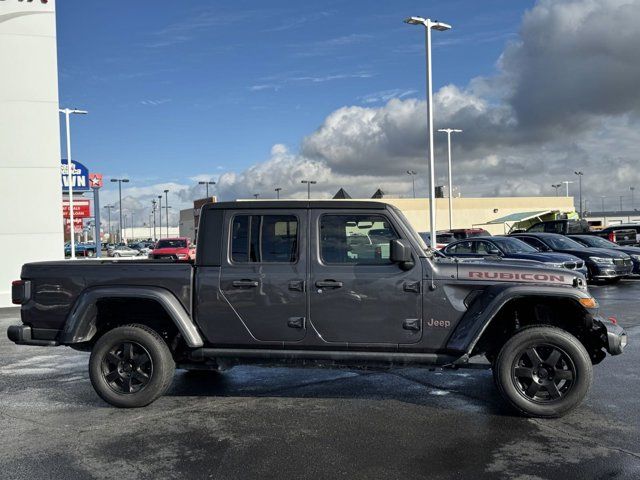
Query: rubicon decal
[(525, 277)]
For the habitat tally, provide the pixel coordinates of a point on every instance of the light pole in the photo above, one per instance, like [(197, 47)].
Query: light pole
[(566, 184), (428, 24), (109, 208), (166, 208), (120, 182), (206, 184), (580, 174), (160, 216), (449, 131), (277, 192), (621, 197), (309, 183), (67, 113), (413, 174), (153, 212), (556, 186), (633, 204), (602, 197)]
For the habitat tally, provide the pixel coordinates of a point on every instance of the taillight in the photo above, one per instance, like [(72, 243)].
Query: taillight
[(20, 291), (612, 237)]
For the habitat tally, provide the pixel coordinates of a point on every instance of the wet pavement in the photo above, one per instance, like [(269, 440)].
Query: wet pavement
[(253, 422)]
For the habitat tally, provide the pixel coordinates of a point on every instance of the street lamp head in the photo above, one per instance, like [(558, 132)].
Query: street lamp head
[(79, 112), (166, 191), (113, 180), (578, 173), (415, 20), (125, 180), (441, 26)]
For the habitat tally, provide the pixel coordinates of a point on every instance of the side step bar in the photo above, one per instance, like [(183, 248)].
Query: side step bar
[(386, 357)]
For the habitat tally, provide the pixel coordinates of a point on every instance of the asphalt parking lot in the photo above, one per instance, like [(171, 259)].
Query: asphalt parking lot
[(253, 422)]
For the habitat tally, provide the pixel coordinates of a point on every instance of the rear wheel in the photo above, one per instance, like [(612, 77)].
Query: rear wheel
[(543, 372), (131, 366)]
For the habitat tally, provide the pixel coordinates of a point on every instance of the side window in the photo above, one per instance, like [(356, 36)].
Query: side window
[(462, 247), (355, 239), (553, 227), (537, 227), (264, 239), (482, 248)]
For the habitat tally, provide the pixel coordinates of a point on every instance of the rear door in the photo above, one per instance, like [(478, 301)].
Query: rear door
[(263, 274), (356, 294)]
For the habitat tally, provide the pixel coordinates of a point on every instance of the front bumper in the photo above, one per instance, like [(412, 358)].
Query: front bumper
[(25, 335), (602, 272), (616, 338)]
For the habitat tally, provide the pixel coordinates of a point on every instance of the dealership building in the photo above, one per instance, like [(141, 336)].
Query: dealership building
[(30, 220)]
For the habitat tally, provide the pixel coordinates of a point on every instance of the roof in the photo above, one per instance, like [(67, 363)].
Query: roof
[(293, 204), (342, 194), (519, 217)]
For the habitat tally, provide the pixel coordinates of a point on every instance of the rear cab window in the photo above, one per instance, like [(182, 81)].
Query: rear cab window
[(264, 239)]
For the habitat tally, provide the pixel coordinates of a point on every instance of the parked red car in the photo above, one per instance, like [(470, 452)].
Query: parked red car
[(179, 248)]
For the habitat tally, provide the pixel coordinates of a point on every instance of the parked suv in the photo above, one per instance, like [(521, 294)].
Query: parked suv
[(278, 283)]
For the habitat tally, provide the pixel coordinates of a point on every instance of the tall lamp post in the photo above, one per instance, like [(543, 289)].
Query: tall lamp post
[(277, 190), (160, 216), (556, 186), (428, 24), (449, 131), (120, 182), (413, 174), (580, 174), (309, 183), (206, 184), (566, 184), (153, 213), (109, 208), (633, 204), (166, 208), (67, 113)]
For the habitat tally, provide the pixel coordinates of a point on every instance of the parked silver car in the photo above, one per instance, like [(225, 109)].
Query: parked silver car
[(122, 251)]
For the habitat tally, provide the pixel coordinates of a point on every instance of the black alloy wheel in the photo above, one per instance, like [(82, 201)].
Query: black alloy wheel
[(127, 367), (543, 371), (131, 366)]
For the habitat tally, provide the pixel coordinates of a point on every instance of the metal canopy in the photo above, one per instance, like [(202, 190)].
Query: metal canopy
[(518, 217)]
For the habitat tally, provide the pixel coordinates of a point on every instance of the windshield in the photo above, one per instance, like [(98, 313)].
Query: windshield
[(562, 243), (513, 245), (598, 242), (171, 243), (416, 237)]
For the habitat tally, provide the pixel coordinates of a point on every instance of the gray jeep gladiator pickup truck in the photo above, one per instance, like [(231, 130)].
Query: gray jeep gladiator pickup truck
[(321, 283)]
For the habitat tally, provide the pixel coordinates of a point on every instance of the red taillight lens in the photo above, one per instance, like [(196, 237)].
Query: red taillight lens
[(18, 292), (612, 237)]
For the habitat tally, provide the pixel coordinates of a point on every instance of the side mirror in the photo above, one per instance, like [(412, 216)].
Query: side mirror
[(400, 253)]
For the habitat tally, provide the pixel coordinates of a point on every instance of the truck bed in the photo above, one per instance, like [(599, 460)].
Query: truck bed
[(55, 286)]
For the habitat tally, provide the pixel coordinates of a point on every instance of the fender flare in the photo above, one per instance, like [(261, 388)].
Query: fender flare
[(81, 321), (482, 312)]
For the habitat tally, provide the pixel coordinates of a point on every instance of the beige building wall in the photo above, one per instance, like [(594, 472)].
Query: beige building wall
[(30, 187), (475, 211)]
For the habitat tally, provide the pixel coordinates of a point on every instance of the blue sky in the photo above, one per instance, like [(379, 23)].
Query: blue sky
[(177, 89)]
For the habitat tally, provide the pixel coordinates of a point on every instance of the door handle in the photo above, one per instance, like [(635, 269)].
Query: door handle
[(245, 283), (328, 284)]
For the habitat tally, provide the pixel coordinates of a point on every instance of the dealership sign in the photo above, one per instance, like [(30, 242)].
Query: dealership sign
[(79, 177), (77, 225), (95, 180), (81, 209)]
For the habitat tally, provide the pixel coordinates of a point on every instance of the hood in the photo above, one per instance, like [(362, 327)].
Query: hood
[(609, 252), (547, 257)]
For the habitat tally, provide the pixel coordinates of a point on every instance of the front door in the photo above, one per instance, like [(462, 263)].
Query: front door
[(264, 275), (357, 295)]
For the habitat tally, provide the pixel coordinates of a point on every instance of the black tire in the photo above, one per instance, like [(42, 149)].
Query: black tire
[(543, 372), (90, 253), (131, 366)]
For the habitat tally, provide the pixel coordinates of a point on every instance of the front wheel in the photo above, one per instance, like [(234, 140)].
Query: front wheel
[(131, 366), (543, 372)]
